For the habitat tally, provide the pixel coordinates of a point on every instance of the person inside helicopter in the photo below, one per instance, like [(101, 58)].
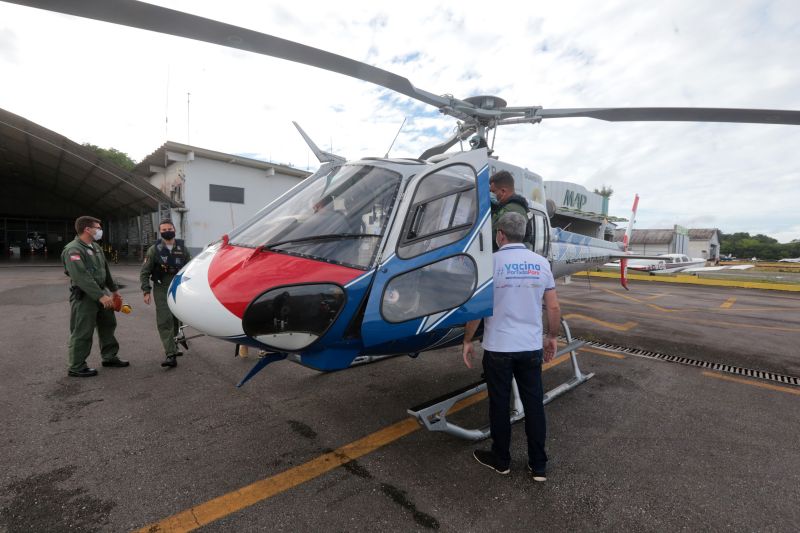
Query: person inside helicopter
[(330, 216)]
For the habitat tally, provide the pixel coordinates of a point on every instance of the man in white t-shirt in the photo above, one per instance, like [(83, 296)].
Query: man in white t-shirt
[(513, 346)]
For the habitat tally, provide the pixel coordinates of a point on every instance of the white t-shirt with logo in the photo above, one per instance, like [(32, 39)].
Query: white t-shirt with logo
[(520, 279)]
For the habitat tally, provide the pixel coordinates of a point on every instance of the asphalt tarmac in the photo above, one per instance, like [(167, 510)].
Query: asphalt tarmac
[(644, 445), (756, 329)]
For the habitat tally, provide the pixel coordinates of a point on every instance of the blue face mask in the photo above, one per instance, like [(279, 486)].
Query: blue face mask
[(493, 198)]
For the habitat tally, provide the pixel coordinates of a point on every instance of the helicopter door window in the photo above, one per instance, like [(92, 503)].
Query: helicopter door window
[(442, 212), (419, 292), (539, 233)]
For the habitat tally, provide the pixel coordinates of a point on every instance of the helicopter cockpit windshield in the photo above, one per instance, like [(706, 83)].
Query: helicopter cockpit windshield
[(339, 217)]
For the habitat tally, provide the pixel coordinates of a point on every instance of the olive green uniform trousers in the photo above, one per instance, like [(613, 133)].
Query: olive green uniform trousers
[(166, 322), (86, 315)]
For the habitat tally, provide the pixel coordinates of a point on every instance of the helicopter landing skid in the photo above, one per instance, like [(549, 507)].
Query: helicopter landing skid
[(182, 339), (433, 414)]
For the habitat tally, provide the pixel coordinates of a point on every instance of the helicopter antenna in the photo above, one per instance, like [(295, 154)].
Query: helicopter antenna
[(395, 138)]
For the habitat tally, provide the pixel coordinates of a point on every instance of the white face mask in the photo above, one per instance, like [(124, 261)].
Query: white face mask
[(98, 235)]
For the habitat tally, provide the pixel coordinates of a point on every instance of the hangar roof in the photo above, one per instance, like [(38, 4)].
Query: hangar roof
[(703, 234), (73, 179), (647, 236), (164, 155)]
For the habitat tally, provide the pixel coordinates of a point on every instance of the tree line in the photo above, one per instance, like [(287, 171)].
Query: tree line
[(745, 246), (121, 159)]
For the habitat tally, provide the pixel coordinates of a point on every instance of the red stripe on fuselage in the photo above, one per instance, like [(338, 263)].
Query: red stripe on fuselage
[(237, 275)]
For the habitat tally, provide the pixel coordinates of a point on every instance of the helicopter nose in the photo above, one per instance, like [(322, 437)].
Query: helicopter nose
[(192, 301)]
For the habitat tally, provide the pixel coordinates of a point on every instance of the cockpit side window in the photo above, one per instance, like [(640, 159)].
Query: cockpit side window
[(442, 212)]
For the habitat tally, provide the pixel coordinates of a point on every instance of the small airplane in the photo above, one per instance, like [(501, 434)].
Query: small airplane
[(379, 256), (663, 263)]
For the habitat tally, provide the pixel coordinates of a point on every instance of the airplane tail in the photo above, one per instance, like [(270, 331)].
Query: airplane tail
[(623, 263)]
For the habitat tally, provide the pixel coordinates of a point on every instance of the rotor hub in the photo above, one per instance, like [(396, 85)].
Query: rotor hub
[(487, 102)]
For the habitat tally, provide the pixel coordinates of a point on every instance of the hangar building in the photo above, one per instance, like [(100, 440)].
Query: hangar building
[(215, 191), (678, 240), (705, 243), (581, 211), (47, 181)]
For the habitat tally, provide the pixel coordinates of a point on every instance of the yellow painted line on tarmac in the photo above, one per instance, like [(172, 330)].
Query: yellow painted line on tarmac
[(752, 383), (677, 318), (557, 361), (694, 280), (621, 295), (237, 500), (602, 352), (232, 502), (618, 327), (632, 299), (663, 309), (728, 303), (659, 295)]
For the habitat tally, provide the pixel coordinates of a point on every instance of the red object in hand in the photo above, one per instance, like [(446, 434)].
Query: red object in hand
[(118, 306)]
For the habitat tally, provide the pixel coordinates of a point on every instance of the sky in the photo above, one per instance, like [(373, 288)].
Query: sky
[(132, 90)]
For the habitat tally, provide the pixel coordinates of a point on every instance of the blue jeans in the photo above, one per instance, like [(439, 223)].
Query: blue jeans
[(498, 369)]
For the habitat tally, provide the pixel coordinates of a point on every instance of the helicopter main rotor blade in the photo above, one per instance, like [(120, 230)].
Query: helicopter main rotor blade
[(677, 114), (169, 21)]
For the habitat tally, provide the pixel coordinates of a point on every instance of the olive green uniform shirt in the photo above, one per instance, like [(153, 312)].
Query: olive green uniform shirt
[(509, 207), (87, 268), (167, 325)]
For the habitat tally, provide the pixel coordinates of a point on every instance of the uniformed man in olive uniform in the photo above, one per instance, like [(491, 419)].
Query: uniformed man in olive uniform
[(162, 261), (505, 200), (90, 303)]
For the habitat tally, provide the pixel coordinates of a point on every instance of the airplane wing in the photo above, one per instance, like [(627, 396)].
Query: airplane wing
[(716, 268)]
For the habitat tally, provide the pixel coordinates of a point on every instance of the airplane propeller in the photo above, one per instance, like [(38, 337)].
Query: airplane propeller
[(479, 112)]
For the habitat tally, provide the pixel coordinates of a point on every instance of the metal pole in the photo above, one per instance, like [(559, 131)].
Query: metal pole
[(188, 109)]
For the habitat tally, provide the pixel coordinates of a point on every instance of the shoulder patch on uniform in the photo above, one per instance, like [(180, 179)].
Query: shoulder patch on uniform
[(75, 257)]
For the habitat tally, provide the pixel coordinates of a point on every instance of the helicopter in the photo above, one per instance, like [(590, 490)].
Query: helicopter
[(378, 256)]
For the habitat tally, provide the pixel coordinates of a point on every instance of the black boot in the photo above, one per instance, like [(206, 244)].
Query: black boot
[(170, 361)]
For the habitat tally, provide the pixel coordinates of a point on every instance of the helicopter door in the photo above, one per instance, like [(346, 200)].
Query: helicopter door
[(436, 270)]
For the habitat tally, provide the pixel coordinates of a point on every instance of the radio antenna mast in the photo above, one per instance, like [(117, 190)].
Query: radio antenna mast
[(395, 138)]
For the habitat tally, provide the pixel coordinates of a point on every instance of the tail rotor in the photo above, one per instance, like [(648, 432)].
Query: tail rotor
[(623, 263)]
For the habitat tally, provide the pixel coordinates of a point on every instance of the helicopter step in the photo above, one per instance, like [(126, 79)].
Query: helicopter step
[(433, 414)]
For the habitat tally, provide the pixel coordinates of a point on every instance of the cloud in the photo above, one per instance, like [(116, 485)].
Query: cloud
[(8, 46), (559, 55)]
